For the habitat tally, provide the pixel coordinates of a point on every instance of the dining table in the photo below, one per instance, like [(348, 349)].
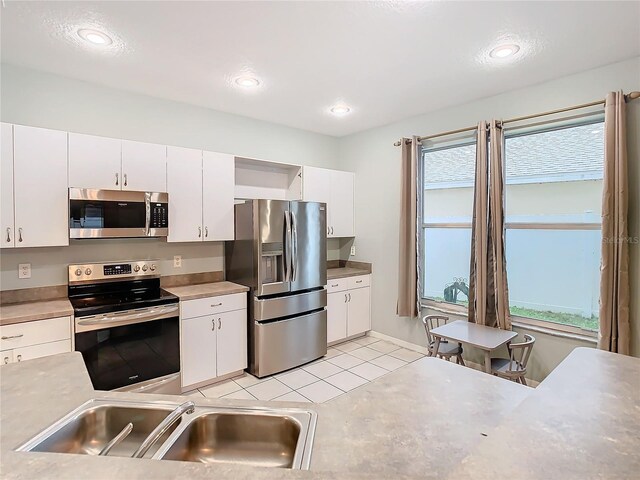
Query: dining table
[(482, 337)]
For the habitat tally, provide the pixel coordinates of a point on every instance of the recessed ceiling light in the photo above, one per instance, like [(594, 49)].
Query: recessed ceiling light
[(247, 81), (504, 51), (95, 37), (340, 109)]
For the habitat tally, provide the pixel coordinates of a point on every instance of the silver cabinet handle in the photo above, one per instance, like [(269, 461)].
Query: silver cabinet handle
[(328, 230), (349, 297), (206, 231), (219, 323), (199, 232), (125, 179), (117, 179), (331, 230), (19, 358), (12, 336), (20, 234), (8, 234), (213, 324), (216, 305), (6, 360), (358, 281), (345, 298), (335, 285)]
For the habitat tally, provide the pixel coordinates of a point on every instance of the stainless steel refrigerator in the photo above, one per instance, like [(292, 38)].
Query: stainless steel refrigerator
[(280, 253)]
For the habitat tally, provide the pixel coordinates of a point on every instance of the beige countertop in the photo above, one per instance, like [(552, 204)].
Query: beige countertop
[(30, 311), (333, 273), (203, 290)]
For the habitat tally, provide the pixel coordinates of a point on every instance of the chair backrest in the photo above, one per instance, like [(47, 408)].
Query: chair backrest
[(430, 322), (519, 352)]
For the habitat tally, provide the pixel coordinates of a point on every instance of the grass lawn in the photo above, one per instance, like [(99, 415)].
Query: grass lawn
[(555, 317)]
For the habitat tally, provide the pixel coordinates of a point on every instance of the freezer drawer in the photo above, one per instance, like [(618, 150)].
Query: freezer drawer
[(285, 344), (269, 308)]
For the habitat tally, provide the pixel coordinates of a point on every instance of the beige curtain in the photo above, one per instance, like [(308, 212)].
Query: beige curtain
[(408, 297), (488, 288), (614, 270)]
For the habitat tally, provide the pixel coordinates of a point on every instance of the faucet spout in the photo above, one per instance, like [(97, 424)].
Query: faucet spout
[(173, 417)]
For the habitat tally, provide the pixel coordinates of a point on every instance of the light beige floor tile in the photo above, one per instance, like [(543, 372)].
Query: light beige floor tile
[(345, 381), (220, 389), (292, 397), (365, 353), (345, 361), (406, 355), (268, 390), (332, 352), (366, 340), (247, 380), (320, 392), (240, 395), (297, 378), (388, 362), (368, 371), (384, 347), (347, 346), (193, 393), (322, 369)]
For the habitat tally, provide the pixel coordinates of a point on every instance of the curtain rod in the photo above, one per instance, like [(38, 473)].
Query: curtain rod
[(629, 96)]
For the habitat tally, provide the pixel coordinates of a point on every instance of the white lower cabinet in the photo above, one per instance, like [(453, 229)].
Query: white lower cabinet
[(348, 307), (40, 338), (215, 344)]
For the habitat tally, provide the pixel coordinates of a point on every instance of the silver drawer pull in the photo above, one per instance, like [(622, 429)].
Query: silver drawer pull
[(358, 281), (216, 305), (12, 336), (335, 285), (19, 358)]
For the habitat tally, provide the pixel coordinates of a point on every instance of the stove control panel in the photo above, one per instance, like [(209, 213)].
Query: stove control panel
[(113, 271)]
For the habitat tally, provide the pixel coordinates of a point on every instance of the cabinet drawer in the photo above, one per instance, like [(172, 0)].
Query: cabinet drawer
[(337, 285), (211, 305), (33, 333), (359, 281), (42, 350)]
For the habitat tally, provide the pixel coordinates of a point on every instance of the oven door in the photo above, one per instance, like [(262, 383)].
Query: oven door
[(115, 213), (129, 347)]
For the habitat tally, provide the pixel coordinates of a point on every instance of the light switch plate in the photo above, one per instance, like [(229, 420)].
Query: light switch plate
[(24, 270), (353, 250), (177, 261)]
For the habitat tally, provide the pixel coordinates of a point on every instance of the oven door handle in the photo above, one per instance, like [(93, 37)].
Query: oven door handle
[(85, 324)]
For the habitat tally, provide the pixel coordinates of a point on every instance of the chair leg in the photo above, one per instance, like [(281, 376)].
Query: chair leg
[(523, 381), (461, 360)]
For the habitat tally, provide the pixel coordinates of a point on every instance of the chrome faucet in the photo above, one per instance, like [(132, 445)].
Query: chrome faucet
[(173, 417)]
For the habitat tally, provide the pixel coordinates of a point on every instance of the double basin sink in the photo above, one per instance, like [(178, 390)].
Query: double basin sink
[(277, 437)]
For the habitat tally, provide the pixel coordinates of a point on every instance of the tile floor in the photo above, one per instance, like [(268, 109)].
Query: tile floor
[(346, 366)]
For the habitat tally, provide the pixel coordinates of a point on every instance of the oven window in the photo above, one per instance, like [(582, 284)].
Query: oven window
[(101, 214), (120, 356)]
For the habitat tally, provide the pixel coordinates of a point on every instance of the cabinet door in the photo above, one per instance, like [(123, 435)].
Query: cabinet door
[(232, 341), (218, 184), (95, 162), (144, 166), (342, 193), (184, 184), (41, 350), (336, 316), (40, 187), (316, 187), (7, 357), (359, 319), (6, 186), (198, 349)]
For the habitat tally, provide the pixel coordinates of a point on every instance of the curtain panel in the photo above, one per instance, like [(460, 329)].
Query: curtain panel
[(615, 333), (408, 296)]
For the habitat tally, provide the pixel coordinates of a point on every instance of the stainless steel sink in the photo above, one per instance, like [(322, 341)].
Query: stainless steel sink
[(257, 439), (277, 437), (88, 429)]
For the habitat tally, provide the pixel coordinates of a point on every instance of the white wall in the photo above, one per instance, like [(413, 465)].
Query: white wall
[(376, 161), (40, 99)]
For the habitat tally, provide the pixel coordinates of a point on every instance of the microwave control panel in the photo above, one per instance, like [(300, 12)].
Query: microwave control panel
[(159, 215)]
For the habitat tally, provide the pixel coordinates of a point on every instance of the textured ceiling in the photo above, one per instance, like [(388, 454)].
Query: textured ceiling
[(389, 60)]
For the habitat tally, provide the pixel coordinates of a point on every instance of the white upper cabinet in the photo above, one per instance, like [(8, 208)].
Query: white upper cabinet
[(218, 180), (336, 189), (6, 186), (144, 166), (184, 185), (95, 162), (40, 187)]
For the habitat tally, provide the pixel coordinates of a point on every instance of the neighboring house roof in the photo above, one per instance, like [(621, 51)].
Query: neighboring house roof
[(558, 155)]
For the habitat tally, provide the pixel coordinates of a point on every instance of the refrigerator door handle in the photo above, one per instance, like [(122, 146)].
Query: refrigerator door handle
[(294, 250), (287, 247)]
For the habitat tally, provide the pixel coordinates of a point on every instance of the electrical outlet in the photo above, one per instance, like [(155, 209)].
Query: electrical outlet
[(24, 270), (177, 261), (353, 250)]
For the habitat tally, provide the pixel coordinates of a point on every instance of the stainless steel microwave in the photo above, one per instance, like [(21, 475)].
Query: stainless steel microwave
[(117, 213)]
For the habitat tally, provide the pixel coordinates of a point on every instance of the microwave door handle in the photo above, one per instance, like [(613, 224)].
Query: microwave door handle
[(287, 247), (147, 211), (294, 244)]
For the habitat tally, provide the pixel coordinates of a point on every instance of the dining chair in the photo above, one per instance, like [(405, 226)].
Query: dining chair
[(515, 367), (446, 350)]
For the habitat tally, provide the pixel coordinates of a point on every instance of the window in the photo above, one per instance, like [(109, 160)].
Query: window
[(553, 202), (447, 207)]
